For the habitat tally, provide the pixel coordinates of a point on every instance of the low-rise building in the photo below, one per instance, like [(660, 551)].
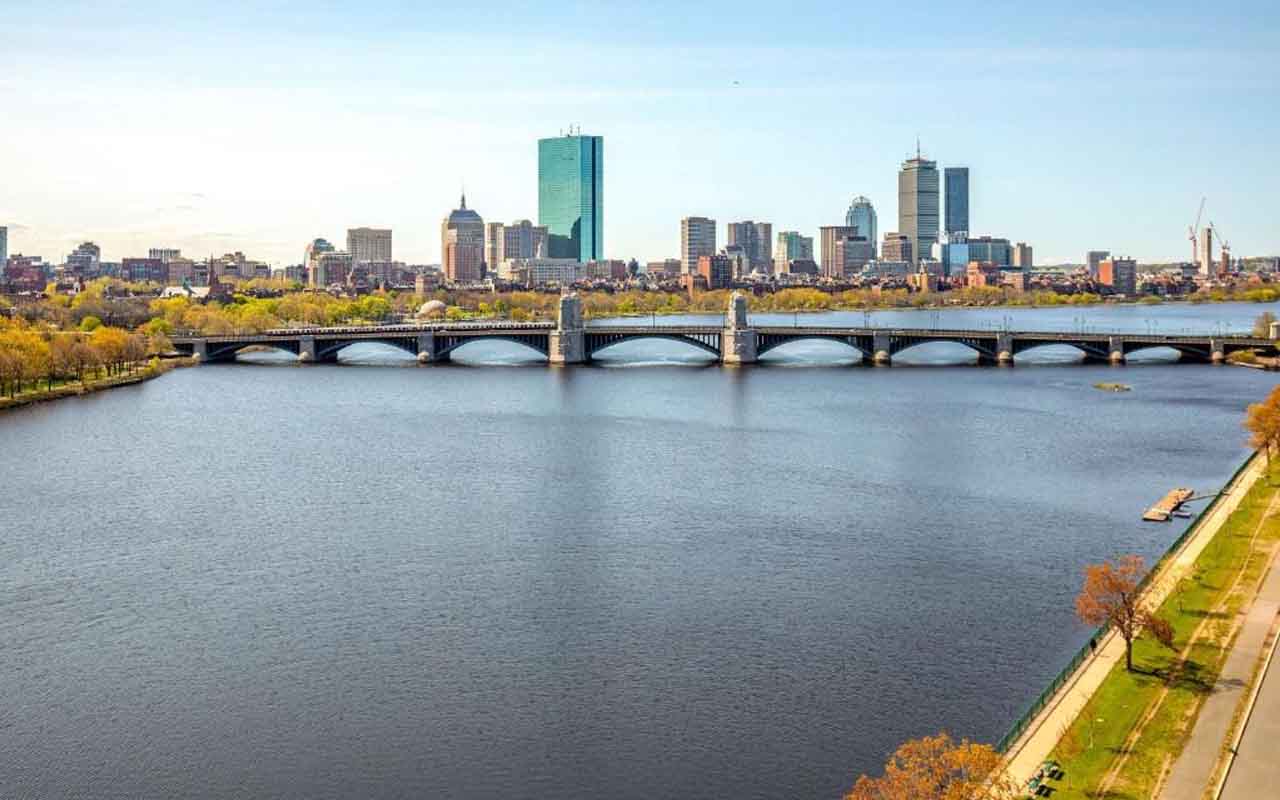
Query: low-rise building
[(716, 270), (1121, 274), (982, 274), (896, 247), (542, 271)]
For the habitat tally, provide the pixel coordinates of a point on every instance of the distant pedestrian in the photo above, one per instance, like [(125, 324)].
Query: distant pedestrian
[(1093, 646)]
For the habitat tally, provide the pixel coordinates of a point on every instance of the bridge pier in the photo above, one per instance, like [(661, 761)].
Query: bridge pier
[(882, 350), (567, 344), (200, 351), (1115, 349), (307, 349), (1217, 351), (738, 342), (1004, 349), (426, 348)]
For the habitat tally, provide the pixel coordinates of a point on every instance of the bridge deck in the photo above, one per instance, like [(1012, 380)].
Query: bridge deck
[(492, 329)]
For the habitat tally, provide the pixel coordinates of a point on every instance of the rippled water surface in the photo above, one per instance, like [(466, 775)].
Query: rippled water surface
[(646, 579)]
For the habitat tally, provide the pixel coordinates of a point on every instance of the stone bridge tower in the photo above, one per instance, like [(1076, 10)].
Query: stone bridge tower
[(738, 339), (567, 343)]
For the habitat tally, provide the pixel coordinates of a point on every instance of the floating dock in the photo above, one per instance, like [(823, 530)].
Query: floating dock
[(1171, 502)]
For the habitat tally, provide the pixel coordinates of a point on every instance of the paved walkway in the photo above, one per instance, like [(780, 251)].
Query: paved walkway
[(1194, 769), (1256, 771), (1040, 738)]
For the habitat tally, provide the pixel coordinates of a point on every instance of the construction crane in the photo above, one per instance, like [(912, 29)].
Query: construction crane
[(1224, 246), (1193, 233)]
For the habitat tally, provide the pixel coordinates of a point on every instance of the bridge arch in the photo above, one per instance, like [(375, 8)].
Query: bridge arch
[(902, 347), (597, 343), (329, 350), (229, 351), (770, 343), (1100, 351), (1185, 352), (446, 349)]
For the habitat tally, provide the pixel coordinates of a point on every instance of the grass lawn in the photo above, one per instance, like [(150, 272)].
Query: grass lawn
[(1091, 746)]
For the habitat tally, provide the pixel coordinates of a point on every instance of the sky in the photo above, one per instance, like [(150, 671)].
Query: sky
[(216, 127)]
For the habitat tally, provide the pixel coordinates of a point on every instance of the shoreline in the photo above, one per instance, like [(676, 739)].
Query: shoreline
[(162, 367), (1036, 742)]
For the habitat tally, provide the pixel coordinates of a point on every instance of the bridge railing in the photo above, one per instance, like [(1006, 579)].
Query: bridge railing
[(1067, 672)]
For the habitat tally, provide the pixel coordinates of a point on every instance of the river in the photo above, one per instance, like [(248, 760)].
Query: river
[(646, 579)]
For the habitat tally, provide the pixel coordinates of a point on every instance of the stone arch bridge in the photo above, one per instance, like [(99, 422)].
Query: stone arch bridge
[(570, 341)]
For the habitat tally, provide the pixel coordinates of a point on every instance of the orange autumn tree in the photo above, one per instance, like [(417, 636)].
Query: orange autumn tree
[(1110, 595), (1262, 421), (938, 768)]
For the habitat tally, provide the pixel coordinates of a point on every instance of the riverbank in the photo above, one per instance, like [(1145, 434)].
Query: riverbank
[(154, 369), (1116, 731)]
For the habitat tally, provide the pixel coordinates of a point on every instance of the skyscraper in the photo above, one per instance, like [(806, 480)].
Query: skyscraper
[(862, 216), (1022, 256), (462, 245), (697, 239), (520, 239), (4, 245), (957, 191), (369, 245), (571, 196), (918, 204), (791, 247), (829, 235), (756, 240)]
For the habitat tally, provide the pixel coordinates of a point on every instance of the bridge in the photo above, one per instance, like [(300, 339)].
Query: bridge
[(570, 341)]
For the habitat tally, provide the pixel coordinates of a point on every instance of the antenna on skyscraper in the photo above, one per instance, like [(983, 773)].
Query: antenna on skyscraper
[(917, 146)]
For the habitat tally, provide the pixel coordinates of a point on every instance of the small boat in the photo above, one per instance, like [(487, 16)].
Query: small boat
[(1180, 514)]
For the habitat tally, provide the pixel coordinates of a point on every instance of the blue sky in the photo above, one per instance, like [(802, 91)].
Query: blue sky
[(259, 127)]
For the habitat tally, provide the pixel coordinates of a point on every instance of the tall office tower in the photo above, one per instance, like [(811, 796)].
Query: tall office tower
[(571, 196), (1206, 251), (862, 215), (519, 240), (957, 192), (791, 247), (918, 203), (851, 254), (4, 245), (1093, 258), (697, 239), (310, 260), (828, 236), (462, 245), (756, 241), (1022, 257), (369, 245), (494, 245)]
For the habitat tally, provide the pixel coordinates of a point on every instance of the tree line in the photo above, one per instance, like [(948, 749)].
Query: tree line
[(30, 357)]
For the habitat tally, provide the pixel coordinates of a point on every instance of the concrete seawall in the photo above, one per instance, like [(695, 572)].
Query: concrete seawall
[(1024, 757)]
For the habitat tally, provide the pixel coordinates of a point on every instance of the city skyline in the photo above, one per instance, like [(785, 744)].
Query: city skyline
[(1106, 156)]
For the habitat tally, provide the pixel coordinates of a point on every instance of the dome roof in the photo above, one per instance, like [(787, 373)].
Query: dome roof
[(431, 307)]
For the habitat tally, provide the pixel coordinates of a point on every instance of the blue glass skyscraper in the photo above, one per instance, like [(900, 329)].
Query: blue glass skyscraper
[(956, 188), (570, 196), (862, 215)]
